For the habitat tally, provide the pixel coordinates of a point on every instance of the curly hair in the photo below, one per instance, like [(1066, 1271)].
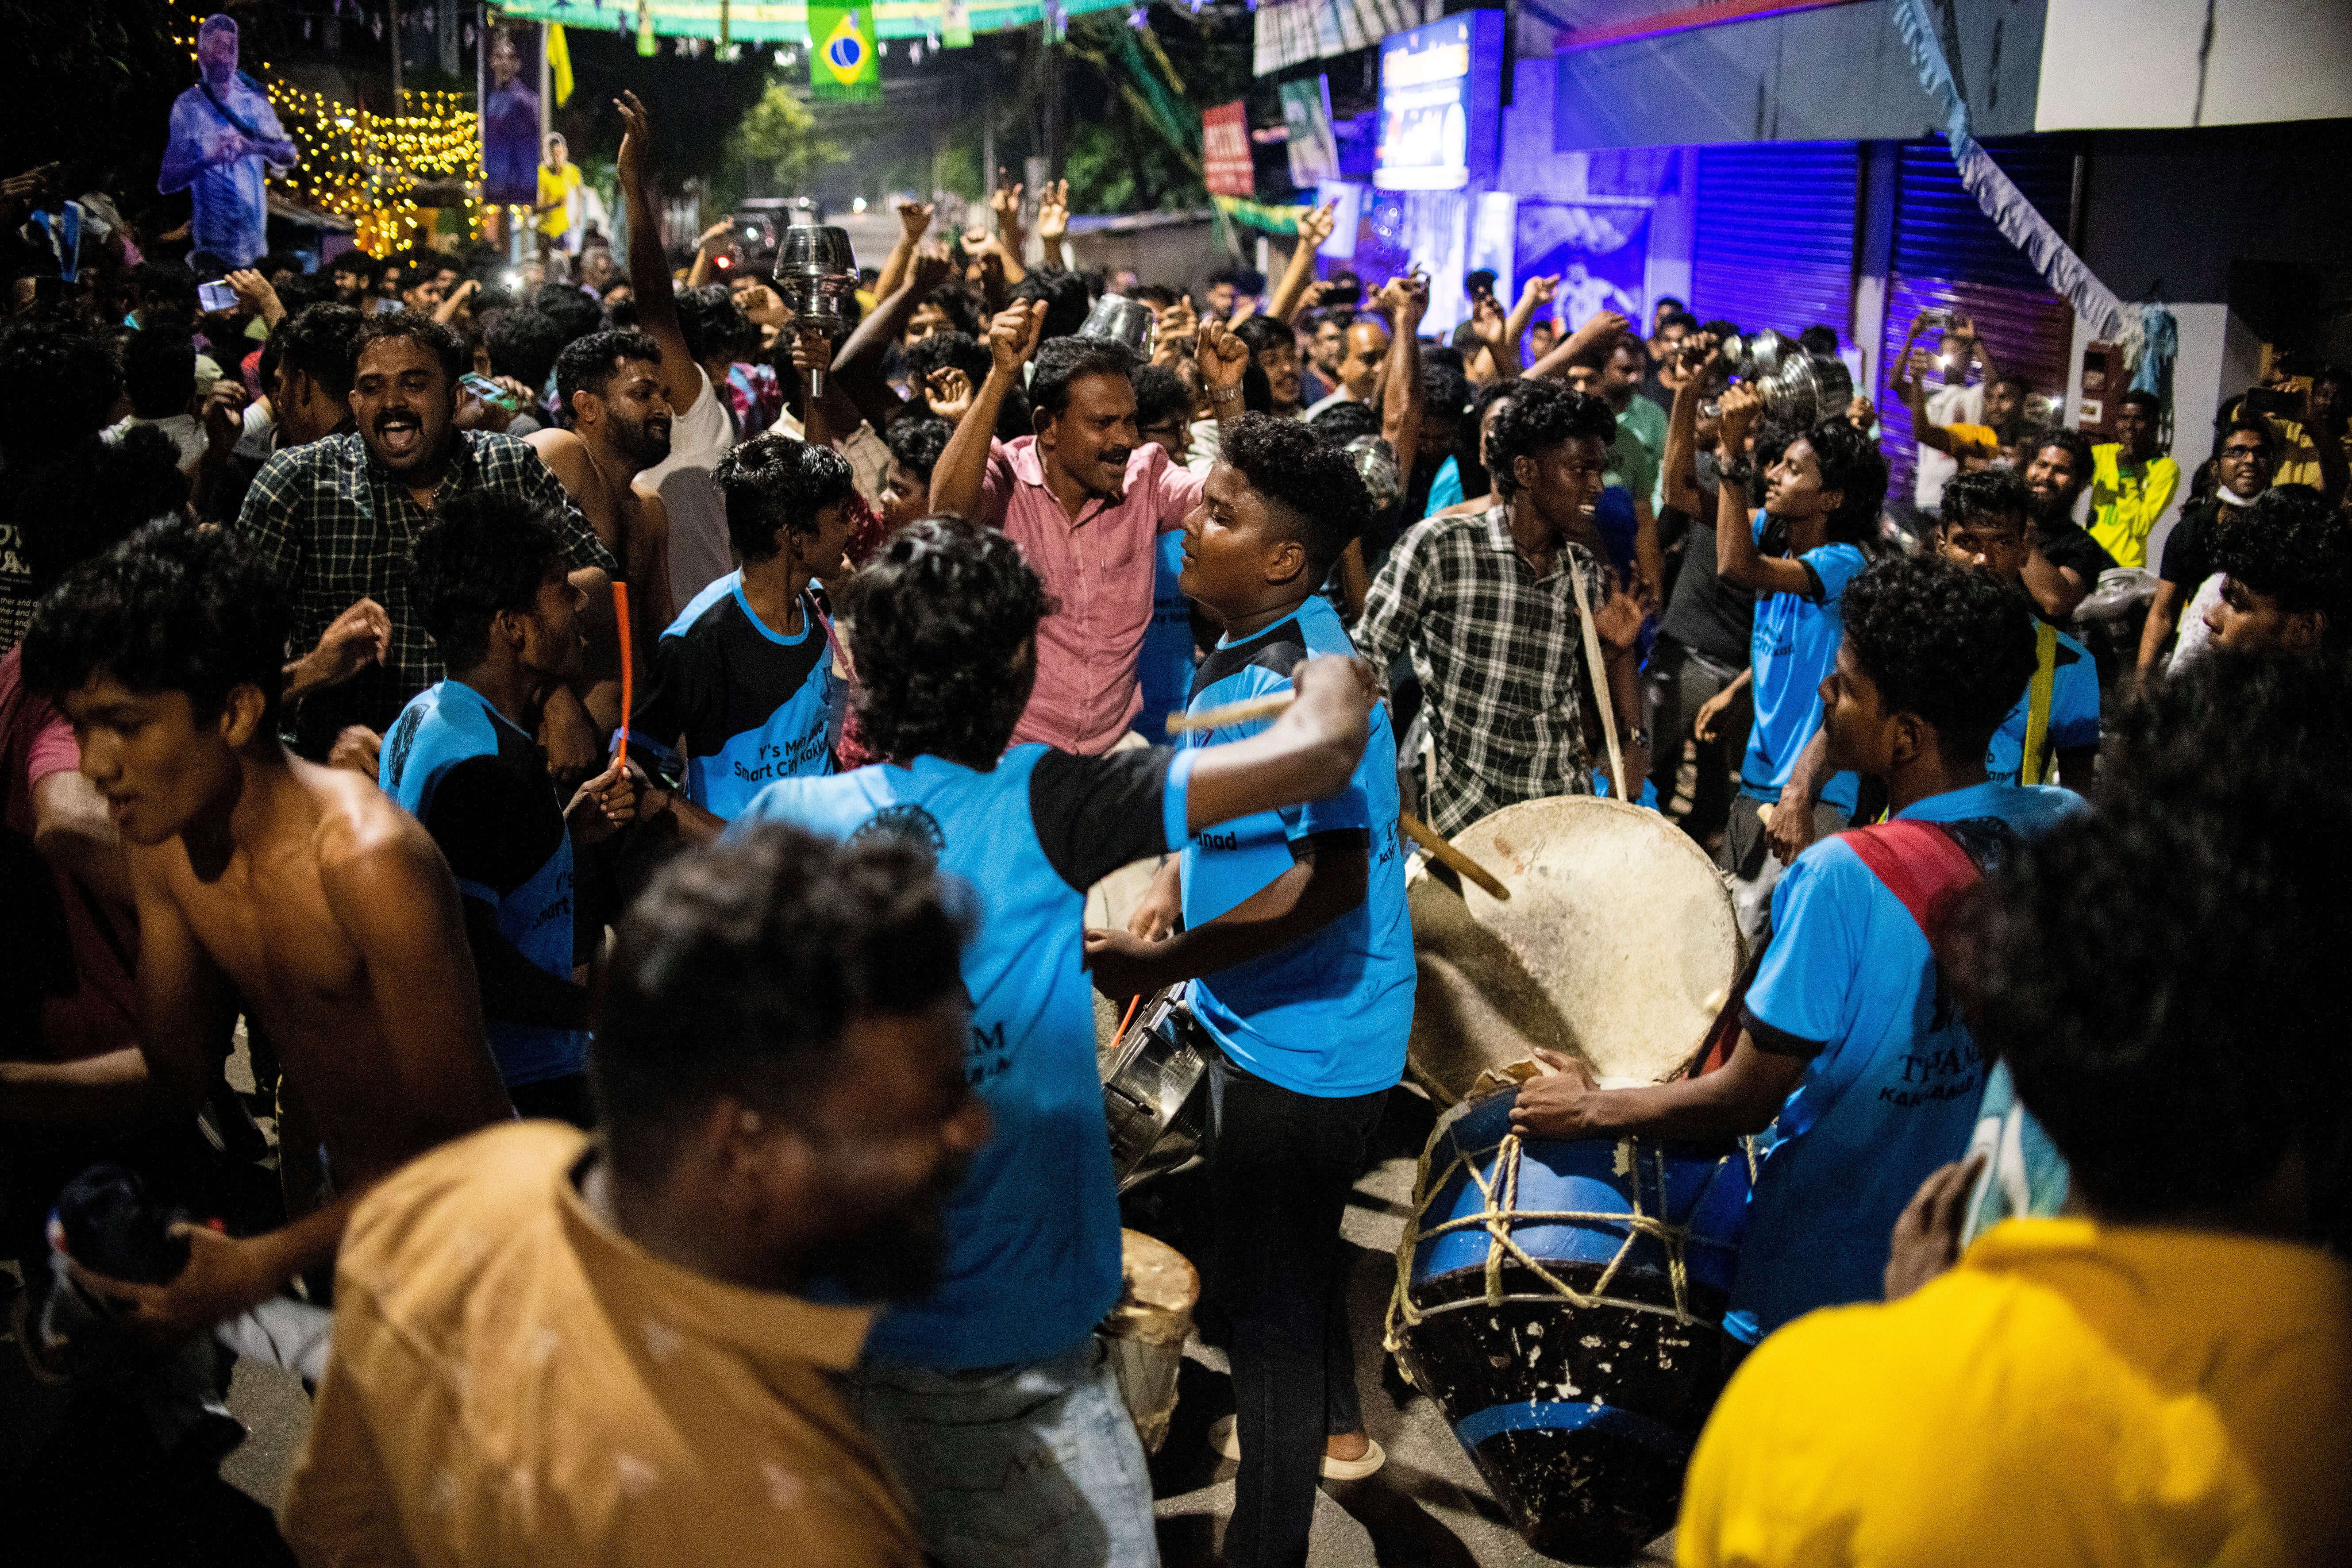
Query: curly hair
[(317, 341), (2159, 972), (1263, 332), (484, 552), (1064, 294), (1159, 393), (94, 496), (951, 301), (1312, 492), (1444, 392), (2292, 546), (916, 442), (1542, 415), (589, 363), (1345, 422), (2075, 444), (442, 343), (178, 607), (524, 344), (1851, 465), (58, 380), (739, 970), (1941, 641), (575, 315), (948, 350), (937, 622), (771, 482), (715, 327), (1989, 496), (1061, 361)]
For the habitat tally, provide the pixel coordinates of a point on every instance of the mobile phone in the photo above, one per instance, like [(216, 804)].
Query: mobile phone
[(216, 296), (2281, 401), (489, 392)]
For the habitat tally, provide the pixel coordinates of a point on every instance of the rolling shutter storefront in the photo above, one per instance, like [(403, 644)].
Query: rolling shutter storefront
[(1775, 240), (1948, 254)]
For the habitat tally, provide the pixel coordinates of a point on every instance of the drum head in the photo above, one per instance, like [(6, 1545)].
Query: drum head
[(1618, 946), (1109, 903)]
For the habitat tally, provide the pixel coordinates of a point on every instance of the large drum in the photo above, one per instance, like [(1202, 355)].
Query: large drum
[(1145, 1333), (1562, 1302), (1618, 945)]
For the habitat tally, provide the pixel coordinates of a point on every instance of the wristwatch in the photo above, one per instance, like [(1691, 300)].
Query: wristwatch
[(1738, 473)]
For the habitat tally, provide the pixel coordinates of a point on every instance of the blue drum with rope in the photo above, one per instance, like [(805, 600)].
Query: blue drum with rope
[(1562, 1302)]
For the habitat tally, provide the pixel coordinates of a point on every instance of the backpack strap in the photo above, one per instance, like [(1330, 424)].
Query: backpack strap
[(1925, 866), (2034, 766)]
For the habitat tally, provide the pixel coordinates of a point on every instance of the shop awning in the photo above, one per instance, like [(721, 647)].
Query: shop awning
[(1289, 31)]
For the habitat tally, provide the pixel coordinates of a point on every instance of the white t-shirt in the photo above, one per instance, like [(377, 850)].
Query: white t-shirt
[(698, 551), (1946, 405)]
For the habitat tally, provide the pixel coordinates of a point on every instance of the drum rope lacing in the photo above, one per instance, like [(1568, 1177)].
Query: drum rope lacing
[(1497, 1222)]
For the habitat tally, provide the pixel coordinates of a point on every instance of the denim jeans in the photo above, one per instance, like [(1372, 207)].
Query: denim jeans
[(1034, 1466), (1281, 1165)]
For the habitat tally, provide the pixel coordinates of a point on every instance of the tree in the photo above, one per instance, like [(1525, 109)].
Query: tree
[(781, 133)]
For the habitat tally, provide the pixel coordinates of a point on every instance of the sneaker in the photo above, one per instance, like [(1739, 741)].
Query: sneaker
[(1222, 1439)]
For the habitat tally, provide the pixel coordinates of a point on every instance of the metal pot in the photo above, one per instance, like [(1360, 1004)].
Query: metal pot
[(816, 273), (1121, 321)]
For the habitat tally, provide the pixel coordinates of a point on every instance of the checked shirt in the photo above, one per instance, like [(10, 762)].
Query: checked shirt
[(1497, 649), (333, 526)]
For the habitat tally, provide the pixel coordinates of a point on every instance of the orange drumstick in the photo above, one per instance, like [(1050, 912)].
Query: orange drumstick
[(629, 665)]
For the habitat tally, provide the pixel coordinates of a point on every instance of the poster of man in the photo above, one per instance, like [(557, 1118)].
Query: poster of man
[(1598, 250), (224, 138), (511, 117)]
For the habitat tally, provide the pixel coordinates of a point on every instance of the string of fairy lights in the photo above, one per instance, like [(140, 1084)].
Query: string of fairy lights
[(367, 168)]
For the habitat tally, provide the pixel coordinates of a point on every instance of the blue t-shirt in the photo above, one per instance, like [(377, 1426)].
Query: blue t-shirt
[(1892, 1081), (1327, 1015), (1792, 650), (1164, 669), (753, 704), (479, 786), (1445, 489), (1033, 1250), (2074, 712)]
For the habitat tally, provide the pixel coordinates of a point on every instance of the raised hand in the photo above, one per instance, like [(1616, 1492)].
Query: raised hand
[(636, 136), (715, 232), (950, 392), (224, 414), (930, 267), (1741, 405), (915, 219), (1539, 290), (1314, 225), (1054, 211), (1013, 336), (1223, 358)]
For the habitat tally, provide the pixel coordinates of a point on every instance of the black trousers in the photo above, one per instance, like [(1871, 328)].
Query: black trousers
[(1281, 1165), (1677, 686)]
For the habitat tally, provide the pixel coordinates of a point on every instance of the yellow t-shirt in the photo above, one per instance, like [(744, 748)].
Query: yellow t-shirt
[(2125, 505), (556, 185), (2070, 1392)]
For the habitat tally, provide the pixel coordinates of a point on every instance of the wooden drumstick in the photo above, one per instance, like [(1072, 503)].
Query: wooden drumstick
[(1420, 833), (1265, 706), (628, 674)]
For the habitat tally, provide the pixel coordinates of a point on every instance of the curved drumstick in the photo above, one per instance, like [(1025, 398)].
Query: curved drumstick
[(1240, 712), (629, 665), (1420, 833)]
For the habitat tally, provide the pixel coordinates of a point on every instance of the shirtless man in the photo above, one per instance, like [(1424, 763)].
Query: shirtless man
[(621, 417), (300, 893)]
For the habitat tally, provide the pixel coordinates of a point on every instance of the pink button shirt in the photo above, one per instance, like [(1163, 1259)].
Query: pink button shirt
[(1097, 570)]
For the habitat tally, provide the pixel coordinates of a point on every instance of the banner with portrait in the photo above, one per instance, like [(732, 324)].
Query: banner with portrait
[(510, 110), (1599, 248)]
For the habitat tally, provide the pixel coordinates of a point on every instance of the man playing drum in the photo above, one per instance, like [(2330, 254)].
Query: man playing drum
[(2164, 1372), (992, 1394), (1486, 605), (1300, 958), (1850, 1047)]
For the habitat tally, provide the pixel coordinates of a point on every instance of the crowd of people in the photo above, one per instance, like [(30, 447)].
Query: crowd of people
[(634, 815)]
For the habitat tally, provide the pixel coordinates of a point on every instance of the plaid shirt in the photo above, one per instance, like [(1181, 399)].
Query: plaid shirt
[(1499, 651), (333, 527)]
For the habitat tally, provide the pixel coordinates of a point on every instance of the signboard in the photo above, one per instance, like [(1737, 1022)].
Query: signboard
[(1225, 150), (1347, 201), (1306, 113), (1441, 104)]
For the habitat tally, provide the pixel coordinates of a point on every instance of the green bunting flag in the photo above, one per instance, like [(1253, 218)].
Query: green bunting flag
[(843, 60)]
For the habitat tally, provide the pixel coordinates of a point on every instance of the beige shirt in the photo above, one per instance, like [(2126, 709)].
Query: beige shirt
[(515, 1384)]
